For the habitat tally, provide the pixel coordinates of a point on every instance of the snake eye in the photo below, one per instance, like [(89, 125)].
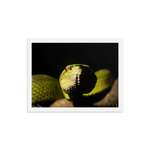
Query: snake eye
[(66, 69)]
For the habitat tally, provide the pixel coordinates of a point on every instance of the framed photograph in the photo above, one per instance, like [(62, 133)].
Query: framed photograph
[(75, 75)]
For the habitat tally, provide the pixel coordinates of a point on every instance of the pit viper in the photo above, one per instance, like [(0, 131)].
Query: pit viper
[(76, 80)]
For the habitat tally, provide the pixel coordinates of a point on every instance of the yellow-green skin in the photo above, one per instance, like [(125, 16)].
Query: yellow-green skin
[(104, 81), (46, 88)]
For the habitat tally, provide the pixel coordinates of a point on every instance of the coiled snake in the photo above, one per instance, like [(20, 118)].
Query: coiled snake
[(77, 81)]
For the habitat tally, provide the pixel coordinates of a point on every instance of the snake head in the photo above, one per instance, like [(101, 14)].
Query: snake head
[(77, 79)]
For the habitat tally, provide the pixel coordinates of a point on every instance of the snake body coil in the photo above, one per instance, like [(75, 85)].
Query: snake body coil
[(75, 80), (45, 88)]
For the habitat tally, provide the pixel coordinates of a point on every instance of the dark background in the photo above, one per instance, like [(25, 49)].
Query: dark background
[(52, 58)]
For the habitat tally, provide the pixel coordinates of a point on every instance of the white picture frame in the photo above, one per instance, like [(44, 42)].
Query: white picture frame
[(121, 40)]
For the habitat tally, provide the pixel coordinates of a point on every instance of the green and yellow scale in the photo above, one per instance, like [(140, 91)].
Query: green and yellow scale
[(46, 88)]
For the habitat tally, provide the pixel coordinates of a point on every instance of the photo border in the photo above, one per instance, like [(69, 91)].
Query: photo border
[(75, 109)]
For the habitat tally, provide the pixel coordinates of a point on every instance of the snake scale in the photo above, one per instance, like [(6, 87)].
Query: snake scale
[(75, 81)]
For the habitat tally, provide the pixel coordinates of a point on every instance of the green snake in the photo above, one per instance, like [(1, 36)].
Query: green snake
[(75, 82)]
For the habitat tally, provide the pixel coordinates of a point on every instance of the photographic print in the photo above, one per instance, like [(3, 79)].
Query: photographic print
[(72, 75)]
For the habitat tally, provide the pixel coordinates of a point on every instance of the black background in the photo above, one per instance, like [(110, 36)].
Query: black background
[(52, 58)]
